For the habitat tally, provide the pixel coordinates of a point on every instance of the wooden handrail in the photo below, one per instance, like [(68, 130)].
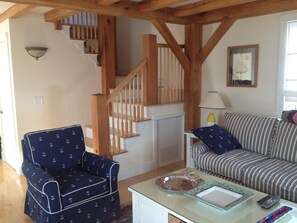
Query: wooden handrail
[(127, 79)]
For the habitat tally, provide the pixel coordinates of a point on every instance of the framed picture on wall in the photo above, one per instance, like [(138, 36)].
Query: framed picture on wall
[(242, 66)]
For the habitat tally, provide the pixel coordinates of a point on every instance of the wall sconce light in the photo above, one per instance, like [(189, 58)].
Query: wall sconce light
[(36, 52), (212, 101)]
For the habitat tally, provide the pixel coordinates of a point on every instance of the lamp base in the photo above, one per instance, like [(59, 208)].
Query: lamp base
[(211, 119), (210, 123)]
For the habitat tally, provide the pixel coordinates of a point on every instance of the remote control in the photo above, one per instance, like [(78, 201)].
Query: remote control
[(268, 201)]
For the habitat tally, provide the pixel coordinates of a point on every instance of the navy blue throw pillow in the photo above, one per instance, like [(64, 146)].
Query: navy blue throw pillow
[(217, 139)]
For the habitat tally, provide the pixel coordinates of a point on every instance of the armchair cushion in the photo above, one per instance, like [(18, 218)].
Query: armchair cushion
[(77, 186), (56, 149)]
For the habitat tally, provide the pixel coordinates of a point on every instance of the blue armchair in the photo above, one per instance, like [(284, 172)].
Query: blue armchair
[(66, 183)]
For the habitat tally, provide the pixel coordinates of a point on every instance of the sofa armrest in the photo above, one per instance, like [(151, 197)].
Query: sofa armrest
[(101, 166), (199, 148), (196, 150), (42, 186)]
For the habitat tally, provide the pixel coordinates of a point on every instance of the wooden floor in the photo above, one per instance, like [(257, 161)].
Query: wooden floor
[(13, 187)]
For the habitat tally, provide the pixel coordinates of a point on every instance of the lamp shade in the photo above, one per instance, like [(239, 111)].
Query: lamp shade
[(213, 101), (36, 52)]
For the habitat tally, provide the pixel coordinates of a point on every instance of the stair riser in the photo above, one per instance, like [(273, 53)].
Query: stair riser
[(124, 143)]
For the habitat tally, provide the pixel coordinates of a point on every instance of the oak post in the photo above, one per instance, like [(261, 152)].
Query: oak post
[(100, 125), (193, 79), (150, 70), (107, 36)]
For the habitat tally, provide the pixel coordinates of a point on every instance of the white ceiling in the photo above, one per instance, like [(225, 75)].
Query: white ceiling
[(4, 6)]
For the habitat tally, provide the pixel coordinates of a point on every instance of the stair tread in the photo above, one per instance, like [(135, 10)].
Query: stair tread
[(116, 151), (129, 117)]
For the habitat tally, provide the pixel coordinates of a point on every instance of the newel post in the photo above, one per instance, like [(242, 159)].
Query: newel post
[(100, 125), (150, 71)]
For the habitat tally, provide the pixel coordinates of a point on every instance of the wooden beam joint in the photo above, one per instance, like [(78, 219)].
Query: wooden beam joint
[(174, 46)]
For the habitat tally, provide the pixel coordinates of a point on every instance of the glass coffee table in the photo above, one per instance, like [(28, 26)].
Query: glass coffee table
[(151, 203)]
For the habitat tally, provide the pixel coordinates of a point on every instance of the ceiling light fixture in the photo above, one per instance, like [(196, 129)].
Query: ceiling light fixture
[(36, 51)]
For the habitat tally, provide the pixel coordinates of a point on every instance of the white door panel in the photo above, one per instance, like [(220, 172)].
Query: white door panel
[(9, 140)]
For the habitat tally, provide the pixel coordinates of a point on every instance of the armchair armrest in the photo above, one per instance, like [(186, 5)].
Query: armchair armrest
[(101, 166), (42, 186)]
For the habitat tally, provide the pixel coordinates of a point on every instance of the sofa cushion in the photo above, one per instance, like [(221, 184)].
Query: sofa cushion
[(77, 186), (230, 164), (273, 176), (217, 139), (254, 133), (285, 142)]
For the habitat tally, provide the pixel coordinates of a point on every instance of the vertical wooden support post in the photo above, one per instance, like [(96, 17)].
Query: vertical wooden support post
[(150, 71), (100, 125), (107, 46), (193, 79)]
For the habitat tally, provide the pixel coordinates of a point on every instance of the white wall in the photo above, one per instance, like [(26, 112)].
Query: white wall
[(263, 30), (129, 40), (63, 77)]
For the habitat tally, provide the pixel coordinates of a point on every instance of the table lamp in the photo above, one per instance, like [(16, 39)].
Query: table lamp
[(212, 101)]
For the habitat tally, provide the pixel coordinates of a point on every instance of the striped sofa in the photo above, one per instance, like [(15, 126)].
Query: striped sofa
[(267, 161)]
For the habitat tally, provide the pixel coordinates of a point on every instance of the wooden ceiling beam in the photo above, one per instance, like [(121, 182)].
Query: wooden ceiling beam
[(206, 5), (151, 5), (15, 11), (106, 2), (214, 39), (174, 46), (58, 14), (259, 8), (128, 9)]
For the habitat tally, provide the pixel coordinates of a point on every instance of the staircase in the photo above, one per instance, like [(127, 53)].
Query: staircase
[(130, 107), (125, 120)]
